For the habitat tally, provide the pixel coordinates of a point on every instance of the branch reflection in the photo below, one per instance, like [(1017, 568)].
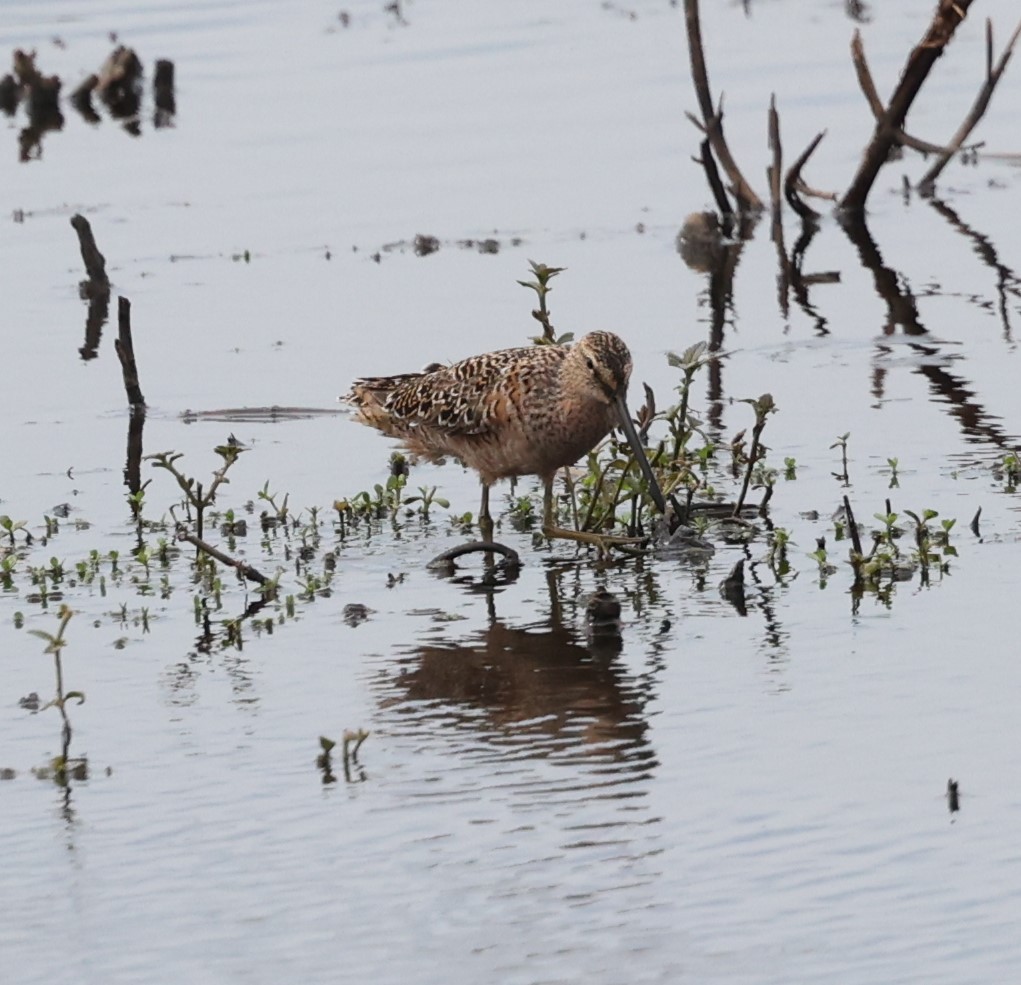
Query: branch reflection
[(1007, 282), (929, 355)]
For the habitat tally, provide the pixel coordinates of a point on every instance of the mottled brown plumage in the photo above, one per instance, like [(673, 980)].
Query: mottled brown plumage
[(526, 411)]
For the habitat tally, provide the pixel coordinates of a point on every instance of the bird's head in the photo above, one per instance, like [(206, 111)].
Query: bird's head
[(602, 361)]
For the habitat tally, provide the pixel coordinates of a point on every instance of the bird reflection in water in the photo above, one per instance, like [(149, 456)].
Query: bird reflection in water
[(544, 681)]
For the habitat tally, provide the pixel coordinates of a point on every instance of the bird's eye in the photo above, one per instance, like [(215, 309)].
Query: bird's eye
[(590, 364)]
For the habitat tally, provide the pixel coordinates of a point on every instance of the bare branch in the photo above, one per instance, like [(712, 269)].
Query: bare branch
[(694, 119), (945, 21), (861, 69), (773, 171), (746, 198), (783, 280), (790, 185), (713, 177), (868, 88), (989, 47), (243, 568), (977, 110), (95, 263), (126, 354), (805, 189)]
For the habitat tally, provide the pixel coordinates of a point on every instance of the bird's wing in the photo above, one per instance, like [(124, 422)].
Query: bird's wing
[(463, 399)]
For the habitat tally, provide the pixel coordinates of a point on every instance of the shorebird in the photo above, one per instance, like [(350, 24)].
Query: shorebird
[(525, 411)]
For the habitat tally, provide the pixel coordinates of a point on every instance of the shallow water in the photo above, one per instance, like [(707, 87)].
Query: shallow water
[(717, 796)]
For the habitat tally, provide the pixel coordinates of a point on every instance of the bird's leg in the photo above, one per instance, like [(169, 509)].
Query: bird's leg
[(485, 520), (551, 531)]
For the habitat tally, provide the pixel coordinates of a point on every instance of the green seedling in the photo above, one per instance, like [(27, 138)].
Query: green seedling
[(841, 443), (821, 558), (63, 767), (1011, 470), (352, 743), (136, 501), (932, 547), (143, 557), (541, 285), (689, 363), (195, 497), (890, 529), (279, 514), (11, 527), (779, 540), (763, 407), (426, 499), (7, 565)]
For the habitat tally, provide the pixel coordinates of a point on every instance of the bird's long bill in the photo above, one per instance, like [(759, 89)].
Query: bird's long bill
[(624, 417)]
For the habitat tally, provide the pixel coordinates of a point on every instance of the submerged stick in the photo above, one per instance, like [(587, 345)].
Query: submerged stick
[(511, 558), (242, 567), (133, 465)]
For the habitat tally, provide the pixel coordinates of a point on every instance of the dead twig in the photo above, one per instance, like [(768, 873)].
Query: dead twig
[(811, 192), (747, 200), (126, 354), (949, 14), (95, 262), (773, 170), (865, 81), (783, 280), (243, 568), (868, 88), (993, 74), (716, 185), (790, 185), (852, 527)]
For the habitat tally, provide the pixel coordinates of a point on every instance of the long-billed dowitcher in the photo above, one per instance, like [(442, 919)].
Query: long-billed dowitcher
[(526, 411)]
